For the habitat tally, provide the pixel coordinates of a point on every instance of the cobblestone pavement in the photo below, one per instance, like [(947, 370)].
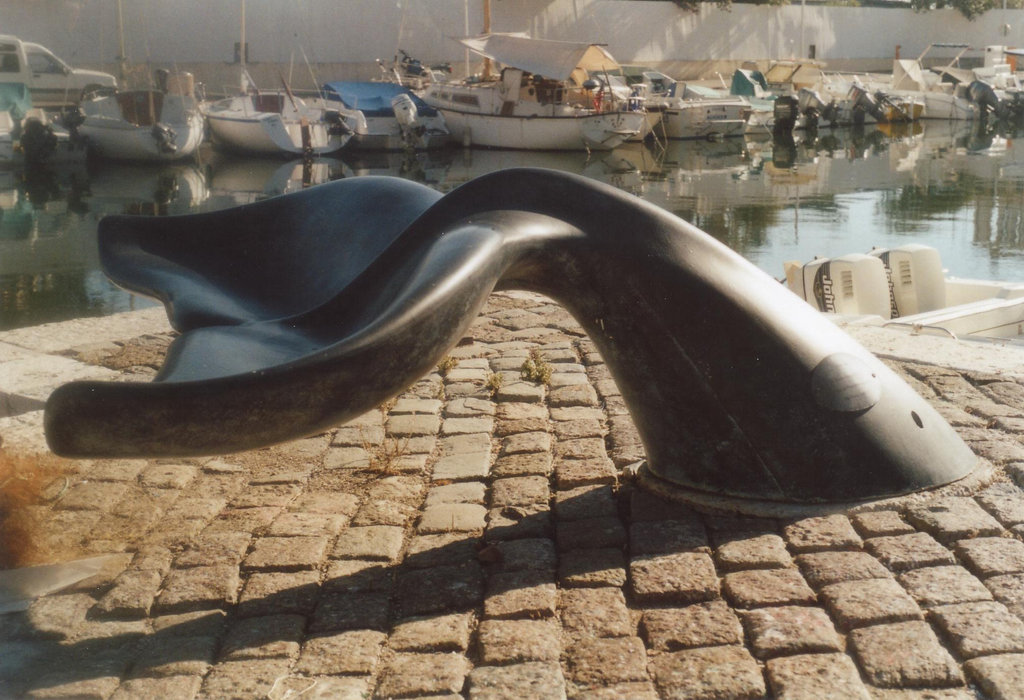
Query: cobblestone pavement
[(483, 539)]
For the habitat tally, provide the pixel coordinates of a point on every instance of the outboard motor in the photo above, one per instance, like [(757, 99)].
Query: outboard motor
[(811, 106), (164, 136), (405, 111), (38, 142), (864, 103), (337, 126), (785, 111), (984, 95)]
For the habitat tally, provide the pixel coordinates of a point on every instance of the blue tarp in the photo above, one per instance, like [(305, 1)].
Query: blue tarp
[(373, 99), (15, 98)]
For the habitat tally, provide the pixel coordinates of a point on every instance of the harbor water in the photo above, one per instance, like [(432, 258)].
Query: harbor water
[(956, 187)]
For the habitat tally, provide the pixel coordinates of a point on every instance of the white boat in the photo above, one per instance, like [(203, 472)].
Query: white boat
[(906, 288), (544, 98), (944, 96), (154, 125), (690, 111), (393, 117), (277, 123)]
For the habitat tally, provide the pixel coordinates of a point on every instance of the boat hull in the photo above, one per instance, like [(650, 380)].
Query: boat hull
[(270, 134), (703, 119), (119, 140), (596, 132)]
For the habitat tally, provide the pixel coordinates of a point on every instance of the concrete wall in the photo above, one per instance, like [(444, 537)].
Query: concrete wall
[(341, 38)]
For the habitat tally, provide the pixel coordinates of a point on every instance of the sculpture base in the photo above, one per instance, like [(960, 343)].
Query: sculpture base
[(981, 476)]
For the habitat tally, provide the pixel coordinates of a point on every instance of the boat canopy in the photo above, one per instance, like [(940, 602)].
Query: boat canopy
[(550, 59), (907, 75), (373, 99), (748, 83)]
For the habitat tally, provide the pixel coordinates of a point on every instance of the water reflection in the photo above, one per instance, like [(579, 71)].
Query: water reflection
[(956, 187)]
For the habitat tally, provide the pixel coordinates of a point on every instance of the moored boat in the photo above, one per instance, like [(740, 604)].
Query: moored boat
[(691, 111), (393, 117), (163, 123), (277, 122), (544, 98), (906, 288)]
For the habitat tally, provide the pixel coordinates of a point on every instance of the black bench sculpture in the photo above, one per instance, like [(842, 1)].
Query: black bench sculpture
[(303, 311)]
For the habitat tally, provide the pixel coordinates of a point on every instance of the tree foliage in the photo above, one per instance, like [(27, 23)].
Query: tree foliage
[(970, 9)]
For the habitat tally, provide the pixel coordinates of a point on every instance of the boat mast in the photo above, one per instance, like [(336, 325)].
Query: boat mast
[(241, 54), (122, 58), (487, 30)]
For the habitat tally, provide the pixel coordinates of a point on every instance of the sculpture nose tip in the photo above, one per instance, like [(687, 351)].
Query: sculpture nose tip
[(844, 383)]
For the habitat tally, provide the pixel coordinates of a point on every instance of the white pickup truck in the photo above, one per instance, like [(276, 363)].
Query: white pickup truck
[(51, 82)]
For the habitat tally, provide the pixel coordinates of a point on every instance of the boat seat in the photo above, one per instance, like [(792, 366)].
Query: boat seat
[(306, 310)]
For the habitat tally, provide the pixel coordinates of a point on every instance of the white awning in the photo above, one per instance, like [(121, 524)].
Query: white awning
[(551, 59)]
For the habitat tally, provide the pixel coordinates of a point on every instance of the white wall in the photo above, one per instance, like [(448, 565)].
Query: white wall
[(358, 31)]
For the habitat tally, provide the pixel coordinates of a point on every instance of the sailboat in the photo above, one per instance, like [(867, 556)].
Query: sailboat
[(549, 95), (277, 122), (161, 122)]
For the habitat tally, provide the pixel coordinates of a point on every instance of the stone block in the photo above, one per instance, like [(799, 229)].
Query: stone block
[(954, 519), (591, 501), (592, 533), (992, 556), (433, 633), (355, 652), (344, 610), (756, 588), (1000, 677), (766, 551), (980, 628), (452, 517), (822, 533), (279, 593), (516, 641), (825, 568), (407, 674), (532, 553), (904, 655), (713, 672), (440, 589), (699, 625), (529, 593), (286, 553), (461, 492), (881, 523), (815, 676), (943, 585), (595, 612), (667, 537), (674, 578), (869, 602), (379, 542), (599, 662), (520, 443), (265, 637), (571, 473), (520, 491), (905, 552), (198, 588), (526, 680), (789, 630), (582, 568)]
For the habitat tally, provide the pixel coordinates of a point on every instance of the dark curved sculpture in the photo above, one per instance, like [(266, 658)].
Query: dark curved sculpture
[(303, 311)]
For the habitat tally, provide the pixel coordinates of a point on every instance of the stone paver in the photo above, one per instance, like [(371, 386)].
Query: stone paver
[(904, 655), (458, 543)]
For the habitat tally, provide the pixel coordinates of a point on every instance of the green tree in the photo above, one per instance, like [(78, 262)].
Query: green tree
[(970, 9)]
